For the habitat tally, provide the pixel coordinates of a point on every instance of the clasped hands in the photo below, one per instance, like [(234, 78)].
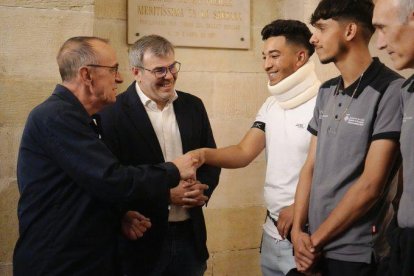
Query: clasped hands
[(306, 253), (188, 193)]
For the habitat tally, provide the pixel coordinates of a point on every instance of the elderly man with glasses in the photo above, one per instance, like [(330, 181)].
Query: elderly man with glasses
[(71, 186), (151, 123)]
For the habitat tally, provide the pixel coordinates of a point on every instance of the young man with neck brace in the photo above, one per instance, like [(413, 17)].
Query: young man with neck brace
[(280, 127)]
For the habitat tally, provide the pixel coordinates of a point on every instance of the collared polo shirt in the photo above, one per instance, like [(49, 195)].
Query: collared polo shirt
[(345, 127), (406, 209)]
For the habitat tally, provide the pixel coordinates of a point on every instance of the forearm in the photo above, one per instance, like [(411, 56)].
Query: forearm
[(301, 208), (303, 190), (231, 157), (362, 195), (356, 202)]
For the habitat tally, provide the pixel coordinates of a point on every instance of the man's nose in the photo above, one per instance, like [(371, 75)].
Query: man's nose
[(118, 78)]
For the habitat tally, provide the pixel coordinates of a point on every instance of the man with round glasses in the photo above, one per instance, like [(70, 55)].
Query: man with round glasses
[(71, 186), (152, 122)]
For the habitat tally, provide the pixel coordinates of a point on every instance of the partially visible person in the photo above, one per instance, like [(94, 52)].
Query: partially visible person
[(344, 186), (70, 184), (394, 21), (280, 128), (150, 123)]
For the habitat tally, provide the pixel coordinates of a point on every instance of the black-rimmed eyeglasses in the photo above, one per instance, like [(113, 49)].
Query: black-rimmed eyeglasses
[(113, 69), (160, 72)]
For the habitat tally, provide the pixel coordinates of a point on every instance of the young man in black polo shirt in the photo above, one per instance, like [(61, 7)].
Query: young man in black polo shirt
[(343, 186), (394, 20)]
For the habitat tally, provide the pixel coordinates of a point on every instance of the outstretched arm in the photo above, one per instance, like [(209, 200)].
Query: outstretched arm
[(235, 156)]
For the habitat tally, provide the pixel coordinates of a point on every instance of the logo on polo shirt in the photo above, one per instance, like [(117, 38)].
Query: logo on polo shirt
[(322, 115), (354, 120), (299, 125), (407, 118)]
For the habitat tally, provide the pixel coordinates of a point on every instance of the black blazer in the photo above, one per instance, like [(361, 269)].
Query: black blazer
[(128, 132)]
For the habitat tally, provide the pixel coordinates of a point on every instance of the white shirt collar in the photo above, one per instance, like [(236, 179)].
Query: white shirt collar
[(147, 101)]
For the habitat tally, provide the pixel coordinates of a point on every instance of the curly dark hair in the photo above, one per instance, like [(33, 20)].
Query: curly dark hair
[(358, 10), (294, 31)]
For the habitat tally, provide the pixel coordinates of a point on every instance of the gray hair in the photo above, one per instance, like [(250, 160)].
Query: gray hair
[(75, 53), (405, 8), (157, 45)]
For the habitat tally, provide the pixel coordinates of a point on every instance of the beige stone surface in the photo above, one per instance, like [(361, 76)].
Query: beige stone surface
[(10, 137), (238, 95), (6, 269), (31, 45), (219, 60), (240, 187), (229, 131), (265, 11), (234, 228), (8, 219), (76, 5), (198, 84), (230, 263), (18, 96), (111, 9)]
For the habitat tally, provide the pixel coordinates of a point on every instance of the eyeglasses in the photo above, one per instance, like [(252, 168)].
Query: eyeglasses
[(160, 72), (112, 69)]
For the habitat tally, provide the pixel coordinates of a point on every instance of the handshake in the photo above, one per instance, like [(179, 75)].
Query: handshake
[(188, 193)]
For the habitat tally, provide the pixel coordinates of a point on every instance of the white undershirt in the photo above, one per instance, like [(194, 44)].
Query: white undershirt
[(168, 134)]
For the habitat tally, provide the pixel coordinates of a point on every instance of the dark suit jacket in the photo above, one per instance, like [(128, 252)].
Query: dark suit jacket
[(129, 134), (71, 187)]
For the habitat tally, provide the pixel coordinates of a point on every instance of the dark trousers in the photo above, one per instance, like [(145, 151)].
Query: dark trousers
[(179, 255), (401, 261), (330, 267)]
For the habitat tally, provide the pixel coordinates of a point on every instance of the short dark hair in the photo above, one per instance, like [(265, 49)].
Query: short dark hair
[(294, 31), (358, 10)]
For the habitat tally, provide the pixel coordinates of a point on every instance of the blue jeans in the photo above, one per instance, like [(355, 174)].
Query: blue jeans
[(276, 256), (179, 255)]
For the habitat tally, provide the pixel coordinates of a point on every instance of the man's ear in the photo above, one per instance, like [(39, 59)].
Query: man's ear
[(136, 72), (350, 31), (85, 75), (302, 58)]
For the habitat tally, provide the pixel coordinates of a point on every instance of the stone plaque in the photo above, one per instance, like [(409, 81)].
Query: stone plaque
[(194, 23)]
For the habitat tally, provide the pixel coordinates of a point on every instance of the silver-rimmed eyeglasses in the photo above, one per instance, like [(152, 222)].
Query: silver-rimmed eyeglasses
[(160, 72), (112, 69)]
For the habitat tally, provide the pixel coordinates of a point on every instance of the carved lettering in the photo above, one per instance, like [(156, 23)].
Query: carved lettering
[(160, 11)]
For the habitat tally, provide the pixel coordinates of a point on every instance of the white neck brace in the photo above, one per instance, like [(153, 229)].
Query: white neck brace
[(297, 88)]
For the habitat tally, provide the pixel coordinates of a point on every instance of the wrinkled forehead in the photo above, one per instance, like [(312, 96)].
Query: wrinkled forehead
[(385, 13)]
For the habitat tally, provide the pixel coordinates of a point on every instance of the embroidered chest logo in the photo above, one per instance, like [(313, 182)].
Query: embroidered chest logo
[(407, 118), (322, 115), (354, 120), (300, 125)]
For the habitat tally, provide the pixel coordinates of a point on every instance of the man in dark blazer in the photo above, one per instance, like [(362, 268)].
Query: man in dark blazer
[(151, 123)]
